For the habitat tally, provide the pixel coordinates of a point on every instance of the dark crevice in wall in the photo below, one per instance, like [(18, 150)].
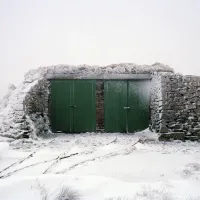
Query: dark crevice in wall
[(100, 105)]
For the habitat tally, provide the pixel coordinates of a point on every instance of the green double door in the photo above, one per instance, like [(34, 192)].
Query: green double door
[(126, 105), (73, 106)]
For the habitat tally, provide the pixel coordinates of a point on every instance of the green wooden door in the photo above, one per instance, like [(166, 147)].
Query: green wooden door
[(138, 101), (73, 106), (126, 106), (115, 98), (84, 115), (60, 109)]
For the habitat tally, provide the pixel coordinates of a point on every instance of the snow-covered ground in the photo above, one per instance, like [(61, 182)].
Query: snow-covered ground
[(99, 167)]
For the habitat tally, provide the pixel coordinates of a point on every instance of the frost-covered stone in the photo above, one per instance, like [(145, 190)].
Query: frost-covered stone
[(163, 129), (4, 101), (172, 136), (181, 103)]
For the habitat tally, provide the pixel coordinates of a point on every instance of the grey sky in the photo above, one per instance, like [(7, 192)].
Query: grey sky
[(35, 33)]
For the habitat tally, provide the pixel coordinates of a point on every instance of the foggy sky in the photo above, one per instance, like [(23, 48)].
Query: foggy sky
[(37, 33)]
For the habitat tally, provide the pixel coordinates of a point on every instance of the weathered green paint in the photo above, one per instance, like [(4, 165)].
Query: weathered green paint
[(85, 102), (60, 100), (138, 101), (115, 98), (126, 106), (73, 106)]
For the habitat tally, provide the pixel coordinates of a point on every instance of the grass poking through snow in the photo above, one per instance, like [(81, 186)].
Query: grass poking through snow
[(65, 193)]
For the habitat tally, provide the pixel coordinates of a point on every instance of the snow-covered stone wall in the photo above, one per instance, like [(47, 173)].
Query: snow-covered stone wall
[(155, 102), (13, 121), (36, 107), (24, 112), (181, 107)]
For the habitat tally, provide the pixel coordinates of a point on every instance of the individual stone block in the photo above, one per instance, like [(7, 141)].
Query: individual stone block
[(191, 106), (163, 129), (172, 136)]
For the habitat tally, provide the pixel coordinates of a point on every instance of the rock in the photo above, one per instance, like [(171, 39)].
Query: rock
[(192, 138), (172, 136), (163, 129), (190, 107), (196, 132), (178, 130), (177, 126), (26, 135), (197, 126)]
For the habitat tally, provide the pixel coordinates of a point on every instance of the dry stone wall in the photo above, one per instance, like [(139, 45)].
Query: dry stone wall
[(180, 107), (36, 107)]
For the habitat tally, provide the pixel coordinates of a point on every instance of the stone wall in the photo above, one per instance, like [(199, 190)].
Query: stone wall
[(36, 107), (26, 111), (174, 107), (181, 107)]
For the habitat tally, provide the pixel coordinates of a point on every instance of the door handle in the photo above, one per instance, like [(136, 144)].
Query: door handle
[(73, 106), (127, 108)]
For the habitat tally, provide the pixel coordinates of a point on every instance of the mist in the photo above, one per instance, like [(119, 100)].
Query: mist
[(37, 33)]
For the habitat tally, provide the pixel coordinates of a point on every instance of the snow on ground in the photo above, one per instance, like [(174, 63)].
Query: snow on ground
[(100, 167)]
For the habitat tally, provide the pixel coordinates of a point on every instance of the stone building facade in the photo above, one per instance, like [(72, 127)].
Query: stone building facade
[(174, 100), (180, 115)]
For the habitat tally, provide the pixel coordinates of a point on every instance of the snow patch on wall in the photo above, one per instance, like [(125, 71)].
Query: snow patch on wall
[(155, 102), (123, 68)]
